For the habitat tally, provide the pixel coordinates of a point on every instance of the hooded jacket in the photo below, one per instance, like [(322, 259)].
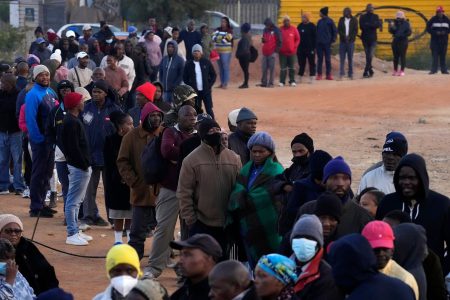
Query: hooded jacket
[(171, 69), (410, 252), (431, 210), (355, 271)]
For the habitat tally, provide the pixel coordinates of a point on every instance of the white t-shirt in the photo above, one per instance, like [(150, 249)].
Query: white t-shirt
[(347, 26), (380, 179), (198, 76)]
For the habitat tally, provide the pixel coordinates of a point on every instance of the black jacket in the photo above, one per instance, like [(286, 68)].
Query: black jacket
[(8, 120), (142, 69), (432, 210), (243, 47), (307, 37), (208, 74), (53, 130), (117, 193), (439, 29), (35, 267), (352, 32), (237, 142), (75, 143), (191, 291), (326, 31), (400, 30), (369, 23), (435, 279)]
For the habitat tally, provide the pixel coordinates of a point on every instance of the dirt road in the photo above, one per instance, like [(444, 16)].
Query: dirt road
[(348, 118)]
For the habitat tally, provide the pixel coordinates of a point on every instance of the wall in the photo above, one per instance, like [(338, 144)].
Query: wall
[(417, 12)]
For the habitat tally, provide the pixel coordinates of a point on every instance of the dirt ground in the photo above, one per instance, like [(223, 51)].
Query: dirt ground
[(348, 118)]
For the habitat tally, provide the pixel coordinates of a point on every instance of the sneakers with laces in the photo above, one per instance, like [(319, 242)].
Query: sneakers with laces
[(85, 237), (26, 193), (76, 240)]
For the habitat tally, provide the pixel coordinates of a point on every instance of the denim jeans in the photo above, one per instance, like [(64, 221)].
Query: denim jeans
[(43, 159), (63, 176), (224, 68), (11, 147), (287, 64), (78, 182), (90, 209), (268, 64), (323, 50), (346, 49)]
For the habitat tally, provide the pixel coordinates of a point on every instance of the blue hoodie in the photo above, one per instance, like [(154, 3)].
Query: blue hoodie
[(355, 271), (39, 101), (171, 69)]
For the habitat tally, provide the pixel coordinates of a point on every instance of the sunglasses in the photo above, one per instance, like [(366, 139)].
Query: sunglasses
[(11, 231)]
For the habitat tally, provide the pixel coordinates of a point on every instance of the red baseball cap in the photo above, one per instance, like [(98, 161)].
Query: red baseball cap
[(379, 234)]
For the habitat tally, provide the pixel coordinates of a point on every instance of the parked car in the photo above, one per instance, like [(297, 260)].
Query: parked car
[(77, 27)]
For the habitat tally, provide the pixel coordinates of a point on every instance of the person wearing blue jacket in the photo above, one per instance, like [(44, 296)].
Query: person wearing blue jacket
[(39, 101), (355, 272), (171, 70), (97, 125), (326, 35)]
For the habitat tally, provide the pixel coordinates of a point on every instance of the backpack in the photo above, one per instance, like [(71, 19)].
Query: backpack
[(253, 54), (153, 163)]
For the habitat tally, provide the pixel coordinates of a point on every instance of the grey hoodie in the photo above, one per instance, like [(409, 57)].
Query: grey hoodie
[(171, 69)]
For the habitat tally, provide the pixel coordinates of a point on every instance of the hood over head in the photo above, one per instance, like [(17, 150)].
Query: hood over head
[(149, 108), (410, 245), (175, 45), (416, 162), (353, 261)]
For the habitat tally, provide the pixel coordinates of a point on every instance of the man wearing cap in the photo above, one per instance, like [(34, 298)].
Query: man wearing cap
[(42, 52), (74, 61), (38, 33), (337, 177), (132, 35), (73, 43), (171, 70), (290, 41), (153, 53), (81, 75), (76, 150), (232, 116), (144, 94), (382, 178), (246, 122), (381, 239), (439, 28), (87, 34), (209, 172), (198, 256), (199, 73), (97, 125), (369, 23), (39, 101)]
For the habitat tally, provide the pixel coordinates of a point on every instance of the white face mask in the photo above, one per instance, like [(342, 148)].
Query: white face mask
[(109, 41), (304, 249), (123, 284)]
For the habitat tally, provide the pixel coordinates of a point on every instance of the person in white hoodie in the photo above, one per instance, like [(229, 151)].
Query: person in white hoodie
[(382, 177)]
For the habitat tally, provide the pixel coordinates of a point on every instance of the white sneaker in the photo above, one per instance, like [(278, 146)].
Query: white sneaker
[(84, 227), (76, 240), (85, 237), (281, 84), (5, 192), (293, 84), (26, 193)]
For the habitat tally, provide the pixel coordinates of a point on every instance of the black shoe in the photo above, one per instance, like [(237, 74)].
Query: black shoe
[(48, 209), (261, 85), (371, 73), (243, 86), (42, 214), (432, 73), (445, 72), (100, 222), (18, 192)]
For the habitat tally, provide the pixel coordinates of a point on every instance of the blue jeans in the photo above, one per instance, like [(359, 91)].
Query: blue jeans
[(63, 176), (224, 68), (78, 182), (323, 50), (11, 147), (346, 49)]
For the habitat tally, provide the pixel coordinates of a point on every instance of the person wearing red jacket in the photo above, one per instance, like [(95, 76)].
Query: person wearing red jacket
[(291, 40), (271, 41)]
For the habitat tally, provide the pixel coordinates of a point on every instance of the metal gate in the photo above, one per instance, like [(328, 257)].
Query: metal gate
[(251, 11)]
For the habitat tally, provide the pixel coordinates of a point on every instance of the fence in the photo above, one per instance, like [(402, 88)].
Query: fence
[(251, 11)]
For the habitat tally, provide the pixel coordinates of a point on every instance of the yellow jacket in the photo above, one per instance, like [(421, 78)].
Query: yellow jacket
[(393, 269)]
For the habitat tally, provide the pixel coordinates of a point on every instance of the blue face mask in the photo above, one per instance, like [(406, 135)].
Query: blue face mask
[(2, 269), (304, 249)]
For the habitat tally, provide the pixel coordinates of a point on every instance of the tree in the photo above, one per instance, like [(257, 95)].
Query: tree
[(166, 11)]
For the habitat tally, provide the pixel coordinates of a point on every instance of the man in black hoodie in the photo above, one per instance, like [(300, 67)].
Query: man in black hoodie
[(307, 48), (246, 127), (369, 23), (426, 207)]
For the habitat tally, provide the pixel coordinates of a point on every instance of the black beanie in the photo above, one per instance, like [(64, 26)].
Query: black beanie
[(324, 11), (329, 204), (101, 85), (205, 126), (317, 162), (305, 140)]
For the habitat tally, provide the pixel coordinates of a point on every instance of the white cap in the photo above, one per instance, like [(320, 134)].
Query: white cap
[(51, 30), (232, 116), (168, 29), (82, 54), (87, 27), (70, 33), (56, 55)]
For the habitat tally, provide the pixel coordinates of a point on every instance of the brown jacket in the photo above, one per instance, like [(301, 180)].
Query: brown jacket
[(205, 184), (129, 165)]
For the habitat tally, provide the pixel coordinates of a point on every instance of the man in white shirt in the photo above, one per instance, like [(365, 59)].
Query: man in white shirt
[(382, 178), (81, 75), (347, 29)]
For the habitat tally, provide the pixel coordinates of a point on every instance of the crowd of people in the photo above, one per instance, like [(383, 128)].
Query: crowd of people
[(91, 107)]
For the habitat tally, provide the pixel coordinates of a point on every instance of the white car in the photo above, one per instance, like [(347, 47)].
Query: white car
[(78, 29)]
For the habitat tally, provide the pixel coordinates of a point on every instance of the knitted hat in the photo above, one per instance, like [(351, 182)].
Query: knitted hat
[(33, 60), (205, 126), (245, 114), (317, 162), (379, 234), (246, 27), (56, 55), (400, 15), (232, 116), (64, 84), (197, 47), (5, 219), (336, 166), (324, 11), (84, 93), (122, 254), (148, 90), (101, 85), (55, 293), (151, 289), (305, 140), (261, 138), (51, 36), (308, 226), (440, 8), (72, 99), (328, 204), (149, 108), (396, 143), (38, 70), (280, 267)]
